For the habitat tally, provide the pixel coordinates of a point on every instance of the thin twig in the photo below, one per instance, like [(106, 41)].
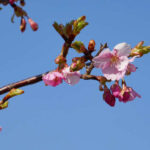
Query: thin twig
[(91, 66)]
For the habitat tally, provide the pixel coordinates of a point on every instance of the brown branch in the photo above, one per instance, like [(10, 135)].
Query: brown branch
[(90, 68), (36, 79), (67, 45), (28, 81)]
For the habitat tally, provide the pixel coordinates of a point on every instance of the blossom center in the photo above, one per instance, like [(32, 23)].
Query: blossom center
[(114, 59)]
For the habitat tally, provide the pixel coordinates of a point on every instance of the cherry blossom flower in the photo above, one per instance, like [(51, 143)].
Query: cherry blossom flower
[(71, 77), (53, 78), (116, 90), (0, 129), (108, 97), (124, 94), (114, 63)]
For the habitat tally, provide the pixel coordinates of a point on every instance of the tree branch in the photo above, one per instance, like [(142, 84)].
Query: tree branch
[(36, 79)]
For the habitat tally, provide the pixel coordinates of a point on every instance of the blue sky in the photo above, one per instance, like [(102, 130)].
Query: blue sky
[(73, 117)]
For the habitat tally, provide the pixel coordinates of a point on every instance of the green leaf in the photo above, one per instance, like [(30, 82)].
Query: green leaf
[(15, 92), (79, 24), (3, 106), (58, 28), (12, 18), (78, 46)]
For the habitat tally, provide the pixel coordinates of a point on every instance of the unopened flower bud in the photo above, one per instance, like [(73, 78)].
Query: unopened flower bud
[(74, 67), (108, 97), (77, 65), (23, 25), (60, 59), (91, 45), (33, 24), (22, 2)]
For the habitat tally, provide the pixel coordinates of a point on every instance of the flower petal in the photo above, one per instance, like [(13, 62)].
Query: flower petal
[(103, 59), (131, 68), (71, 77), (122, 63), (112, 73), (123, 49)]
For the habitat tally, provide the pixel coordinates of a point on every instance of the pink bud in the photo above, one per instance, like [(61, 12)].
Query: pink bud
[(33, 24), (108, 97)]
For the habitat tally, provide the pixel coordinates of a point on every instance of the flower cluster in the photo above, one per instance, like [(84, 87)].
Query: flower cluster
[(123, 94), (55, 78), (115, 65)]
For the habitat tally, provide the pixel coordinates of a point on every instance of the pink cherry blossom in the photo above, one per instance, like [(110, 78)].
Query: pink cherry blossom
[(124, 94), (128, 94), (53, 78), (0, 129), (116, 90), (108, 97), (71, 77), (113, 63)]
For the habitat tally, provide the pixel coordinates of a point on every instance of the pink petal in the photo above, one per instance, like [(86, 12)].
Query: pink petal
[(122, 63), (111, 73), (131, 68), (103, 59), (116, 89), (123, 49), (133, 94), (71, 77)]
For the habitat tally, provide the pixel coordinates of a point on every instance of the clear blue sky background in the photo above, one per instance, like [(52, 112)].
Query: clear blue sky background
[(73, 117)]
